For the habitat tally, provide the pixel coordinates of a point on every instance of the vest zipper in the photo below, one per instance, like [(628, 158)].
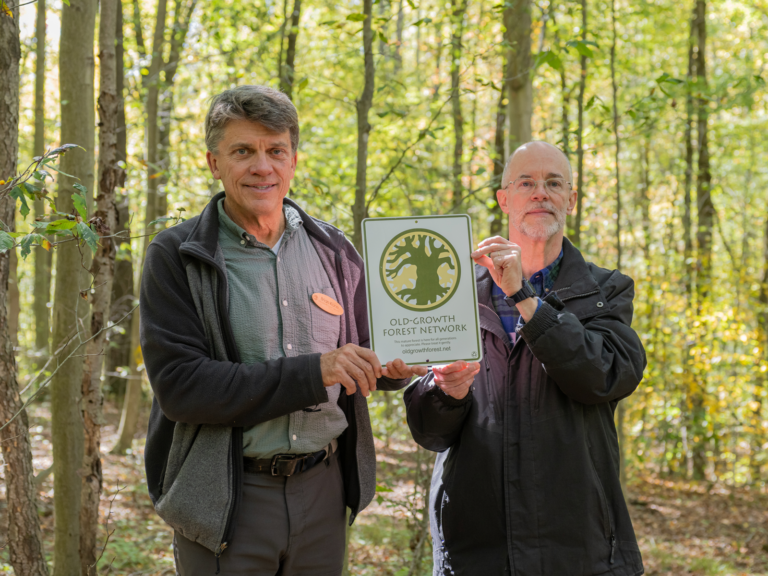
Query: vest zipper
[(217, 554)]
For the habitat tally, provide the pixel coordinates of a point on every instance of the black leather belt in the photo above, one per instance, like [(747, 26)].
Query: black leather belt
[(285, 464)]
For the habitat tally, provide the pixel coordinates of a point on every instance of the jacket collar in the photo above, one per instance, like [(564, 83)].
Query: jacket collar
[(203, 240), (574, 285)]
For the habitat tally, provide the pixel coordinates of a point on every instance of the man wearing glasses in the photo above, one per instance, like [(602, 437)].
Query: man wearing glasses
[(526, 481)]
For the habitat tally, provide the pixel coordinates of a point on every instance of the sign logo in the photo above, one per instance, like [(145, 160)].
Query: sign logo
[(420, 270)]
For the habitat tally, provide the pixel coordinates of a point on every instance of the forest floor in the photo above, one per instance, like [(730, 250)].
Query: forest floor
[(683, 528)]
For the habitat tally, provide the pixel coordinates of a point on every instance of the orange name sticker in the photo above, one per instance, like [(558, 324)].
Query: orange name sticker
[(328, 304)]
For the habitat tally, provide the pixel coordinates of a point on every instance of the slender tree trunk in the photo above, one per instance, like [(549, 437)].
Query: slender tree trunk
[(706, 216), (576, 231), (364, 104), (13, 297), (517, 21), (153, 91), (42, 290), (621, 409), (288, 70), (129, 417), (565, 120), (499, 161), (102, 269), (76, 84), (24, 537), (762, 383), (137, 28), (122, 286), (688, 137), (459, 9), (399, 45)]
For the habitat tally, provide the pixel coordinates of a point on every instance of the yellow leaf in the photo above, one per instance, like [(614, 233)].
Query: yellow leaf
[(138, 356), (8, 12), (47, 245)]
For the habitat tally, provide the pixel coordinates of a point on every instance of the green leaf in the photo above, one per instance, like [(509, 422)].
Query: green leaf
[(19, 193), (550, 58), (422, 21), (62, 224), (6, 241), (88, 235), (79, 202), (382, 37), (411, 4), (356, 17), (66, 2), (480, 171), (28, 241), (303, 83), (581, 47), (47, 164)]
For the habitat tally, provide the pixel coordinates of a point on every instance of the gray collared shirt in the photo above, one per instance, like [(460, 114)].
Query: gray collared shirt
[(273, 316)]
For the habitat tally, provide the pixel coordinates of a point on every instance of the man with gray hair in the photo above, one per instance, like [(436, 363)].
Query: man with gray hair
[(526, 481), (255, 337)]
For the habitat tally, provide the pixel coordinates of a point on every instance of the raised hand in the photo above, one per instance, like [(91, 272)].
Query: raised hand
[(503, 259)]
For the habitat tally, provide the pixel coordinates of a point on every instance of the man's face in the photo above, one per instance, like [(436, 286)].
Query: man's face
[(538, 213), (255, 166)]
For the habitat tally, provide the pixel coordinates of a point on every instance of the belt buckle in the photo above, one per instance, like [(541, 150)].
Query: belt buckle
[(277, 458)]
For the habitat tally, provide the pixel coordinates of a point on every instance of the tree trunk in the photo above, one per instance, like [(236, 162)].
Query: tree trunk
[(13, 297), (621, 410), (122, 286), (102, 269), (706, 217), (576, 229), (459, 9), (757, 395), (132, 402), (152, 86), (76, 84), (364, 104), (288, 70), (24, 536), (688, 137), (399, 45), (42, 289), (499, 161), (517, 21)]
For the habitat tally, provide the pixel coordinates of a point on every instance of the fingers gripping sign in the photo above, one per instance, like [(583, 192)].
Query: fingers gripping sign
[(398, 370), (456, 379), (351, 366), (503, 259)]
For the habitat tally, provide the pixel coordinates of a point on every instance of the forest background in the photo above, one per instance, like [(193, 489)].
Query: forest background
[(406, 107)]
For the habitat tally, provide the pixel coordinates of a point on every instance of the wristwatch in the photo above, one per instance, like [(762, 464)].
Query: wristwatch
[(524, 293)]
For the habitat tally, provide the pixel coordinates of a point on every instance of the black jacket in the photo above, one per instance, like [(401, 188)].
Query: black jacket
[(193, 387), (527, 482)]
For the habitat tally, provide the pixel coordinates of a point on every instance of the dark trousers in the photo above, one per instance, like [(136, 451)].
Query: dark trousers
[(286, 526)]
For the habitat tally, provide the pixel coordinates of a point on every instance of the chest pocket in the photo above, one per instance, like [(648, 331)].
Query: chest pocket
[(326, 327)]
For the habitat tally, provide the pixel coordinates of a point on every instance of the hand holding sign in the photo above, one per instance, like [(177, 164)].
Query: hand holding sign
[(456, 379)]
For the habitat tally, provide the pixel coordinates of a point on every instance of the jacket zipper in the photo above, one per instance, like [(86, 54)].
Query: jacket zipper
[(237, 449)]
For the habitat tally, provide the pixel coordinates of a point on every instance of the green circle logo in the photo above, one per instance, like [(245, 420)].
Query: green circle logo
[(420, 270)]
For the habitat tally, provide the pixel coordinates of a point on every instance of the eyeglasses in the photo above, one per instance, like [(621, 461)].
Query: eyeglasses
[(553, 185)]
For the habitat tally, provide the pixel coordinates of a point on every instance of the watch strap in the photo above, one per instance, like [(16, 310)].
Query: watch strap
[(524, 293)]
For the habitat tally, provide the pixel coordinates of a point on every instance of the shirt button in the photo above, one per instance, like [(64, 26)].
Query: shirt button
[(278, 258), (285, 302), (294, 436), (242, 242), (290, 347)]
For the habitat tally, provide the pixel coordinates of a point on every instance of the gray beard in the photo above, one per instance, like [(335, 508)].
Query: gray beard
[(540, 231)]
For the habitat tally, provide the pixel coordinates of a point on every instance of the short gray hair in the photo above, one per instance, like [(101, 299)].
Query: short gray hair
[(505, 176), (262, 104)]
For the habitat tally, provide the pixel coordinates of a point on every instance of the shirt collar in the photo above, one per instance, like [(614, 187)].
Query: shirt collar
[(292, 222)]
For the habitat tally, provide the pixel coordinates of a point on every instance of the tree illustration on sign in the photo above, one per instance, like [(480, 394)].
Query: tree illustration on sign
[(421, 251)]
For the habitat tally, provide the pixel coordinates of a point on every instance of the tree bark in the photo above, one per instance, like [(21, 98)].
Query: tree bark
[(24, 536), (132, 401), (102, 269), (688, 137), (757, 395), (152, 86), (122, 286), (76, 84), (499, 161), (706, 217), (288, 70), (576, 229), (42, 289), (517, 21), (399, 45), (621, 409), (459, 8), (364, 104)]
